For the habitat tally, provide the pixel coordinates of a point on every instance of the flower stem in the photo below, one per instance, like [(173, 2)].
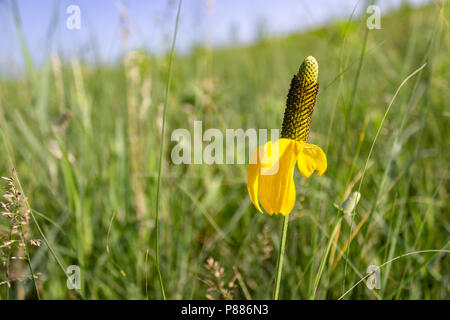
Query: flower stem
[(280, 257)]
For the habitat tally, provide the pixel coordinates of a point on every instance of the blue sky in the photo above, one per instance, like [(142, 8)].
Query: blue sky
[(151, 23)]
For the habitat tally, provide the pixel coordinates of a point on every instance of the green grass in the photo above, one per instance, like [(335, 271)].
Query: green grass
[(85, 143)]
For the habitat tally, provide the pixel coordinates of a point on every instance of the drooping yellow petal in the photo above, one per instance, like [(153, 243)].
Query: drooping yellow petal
[(310, 158), (271, 180), (262, 160), (289, 201), (254, 169)]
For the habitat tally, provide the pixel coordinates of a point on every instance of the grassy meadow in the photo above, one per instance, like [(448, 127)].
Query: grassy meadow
[(84, 141)]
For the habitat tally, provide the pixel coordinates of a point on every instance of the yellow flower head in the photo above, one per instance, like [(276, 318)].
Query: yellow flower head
[(270, 178)]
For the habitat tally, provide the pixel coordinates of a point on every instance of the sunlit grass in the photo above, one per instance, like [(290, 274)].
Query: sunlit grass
[(84, 141)]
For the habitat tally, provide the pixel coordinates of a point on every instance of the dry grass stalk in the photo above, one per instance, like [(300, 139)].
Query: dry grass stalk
[(216, 283), (138, 102), (13, 244)]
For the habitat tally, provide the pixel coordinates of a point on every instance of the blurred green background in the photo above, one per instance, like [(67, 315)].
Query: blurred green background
[(84, 140)]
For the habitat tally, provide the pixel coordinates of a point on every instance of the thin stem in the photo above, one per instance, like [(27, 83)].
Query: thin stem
[(49, 246), (161, 149), (22, 238), (324, 257), (146, 275), (392, 260), (281, 257), (7, 266)]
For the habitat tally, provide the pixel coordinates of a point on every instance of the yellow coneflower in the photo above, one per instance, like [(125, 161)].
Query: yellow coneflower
[(270, 178)]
